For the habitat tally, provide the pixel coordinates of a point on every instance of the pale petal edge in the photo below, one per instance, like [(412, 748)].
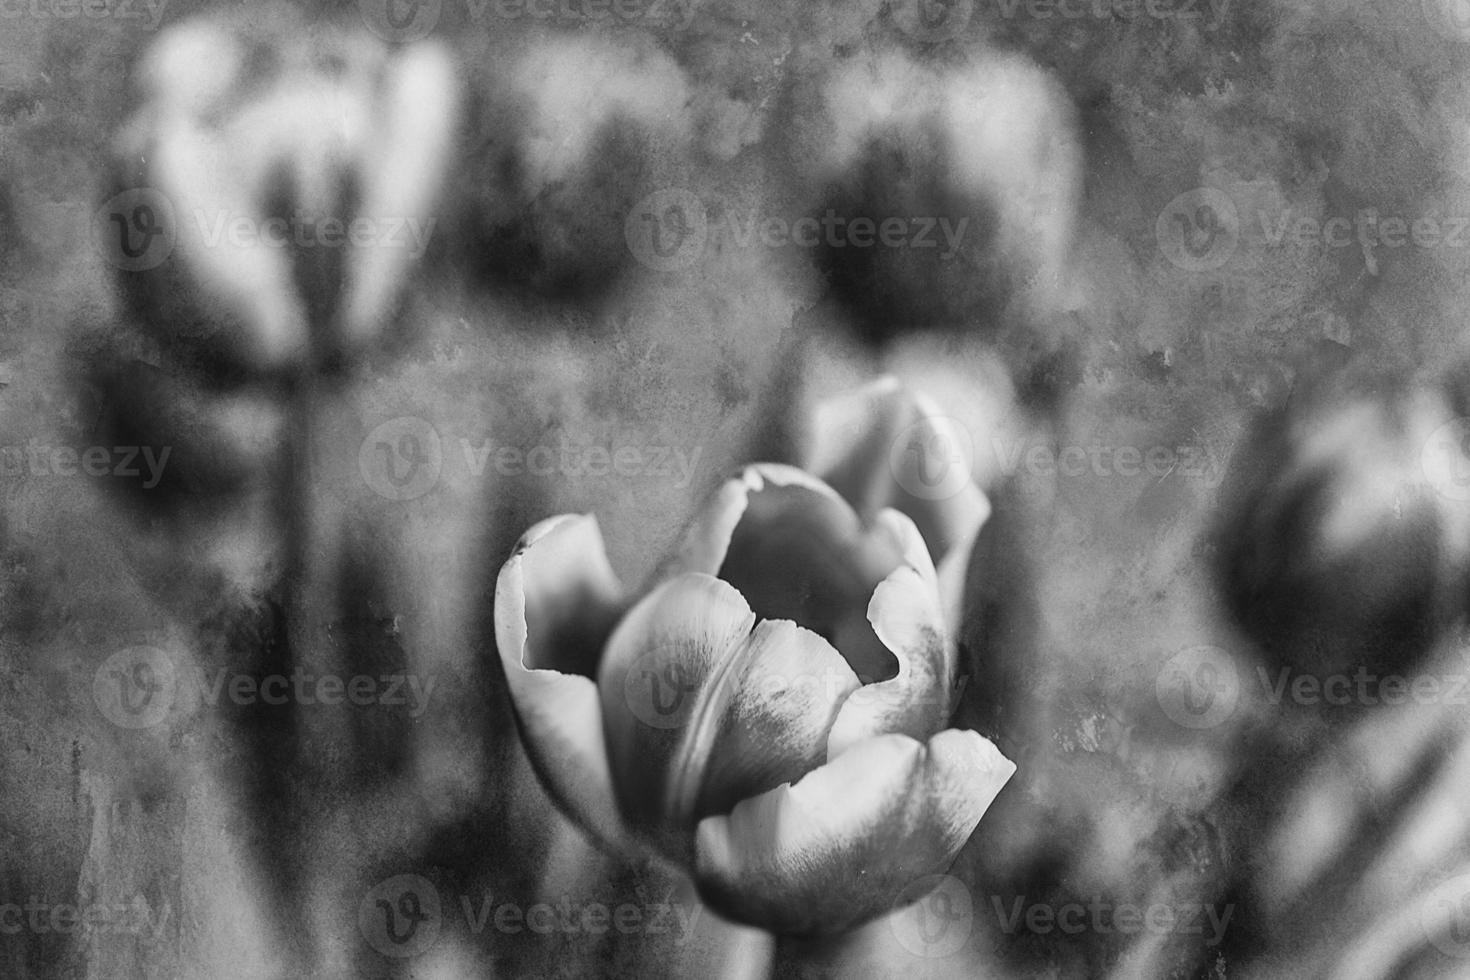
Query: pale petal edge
[(907, 615), (559, 715), (839, 847), (706, 542), (848, 446)]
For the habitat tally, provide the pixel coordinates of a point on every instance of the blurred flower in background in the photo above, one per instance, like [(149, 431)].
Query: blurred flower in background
[(1345, 548), (771, 714), (947, 168), (949, 196), (272, 206), (1347, 536)]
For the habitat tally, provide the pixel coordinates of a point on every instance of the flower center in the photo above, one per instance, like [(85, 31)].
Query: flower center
[(798, 555)]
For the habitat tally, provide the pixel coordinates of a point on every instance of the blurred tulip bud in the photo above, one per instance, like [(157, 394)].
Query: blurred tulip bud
[(947, 196), (1345, 542), (572, 133)]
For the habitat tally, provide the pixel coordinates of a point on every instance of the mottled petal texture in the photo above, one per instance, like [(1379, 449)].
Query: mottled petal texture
[(704, 707), (838, 847), (657, 672)]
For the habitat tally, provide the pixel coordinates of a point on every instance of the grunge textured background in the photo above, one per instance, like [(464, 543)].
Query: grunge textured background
[(247, 843)]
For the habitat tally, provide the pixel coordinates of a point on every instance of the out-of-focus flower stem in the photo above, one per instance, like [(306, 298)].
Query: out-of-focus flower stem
[(808, 957), (723, 950)]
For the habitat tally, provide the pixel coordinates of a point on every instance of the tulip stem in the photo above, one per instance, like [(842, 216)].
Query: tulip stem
[(727, 951), (807, 957)]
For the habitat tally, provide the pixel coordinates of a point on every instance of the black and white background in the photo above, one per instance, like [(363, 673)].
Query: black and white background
[(308, 312)]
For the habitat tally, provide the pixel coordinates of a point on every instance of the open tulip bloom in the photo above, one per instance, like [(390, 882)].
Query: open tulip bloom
[(770, 716)]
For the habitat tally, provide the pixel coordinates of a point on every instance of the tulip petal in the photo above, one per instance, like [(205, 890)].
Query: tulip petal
[(876, 446), (906, 614), (401, 181), (251, 281), (555, 601), (658, 671), (707, 540), (771, 726), (838, 847)]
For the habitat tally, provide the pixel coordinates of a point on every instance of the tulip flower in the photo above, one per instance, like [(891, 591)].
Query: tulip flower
[(989, 152), (279, 187), (770, 715), (1342, 546)]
